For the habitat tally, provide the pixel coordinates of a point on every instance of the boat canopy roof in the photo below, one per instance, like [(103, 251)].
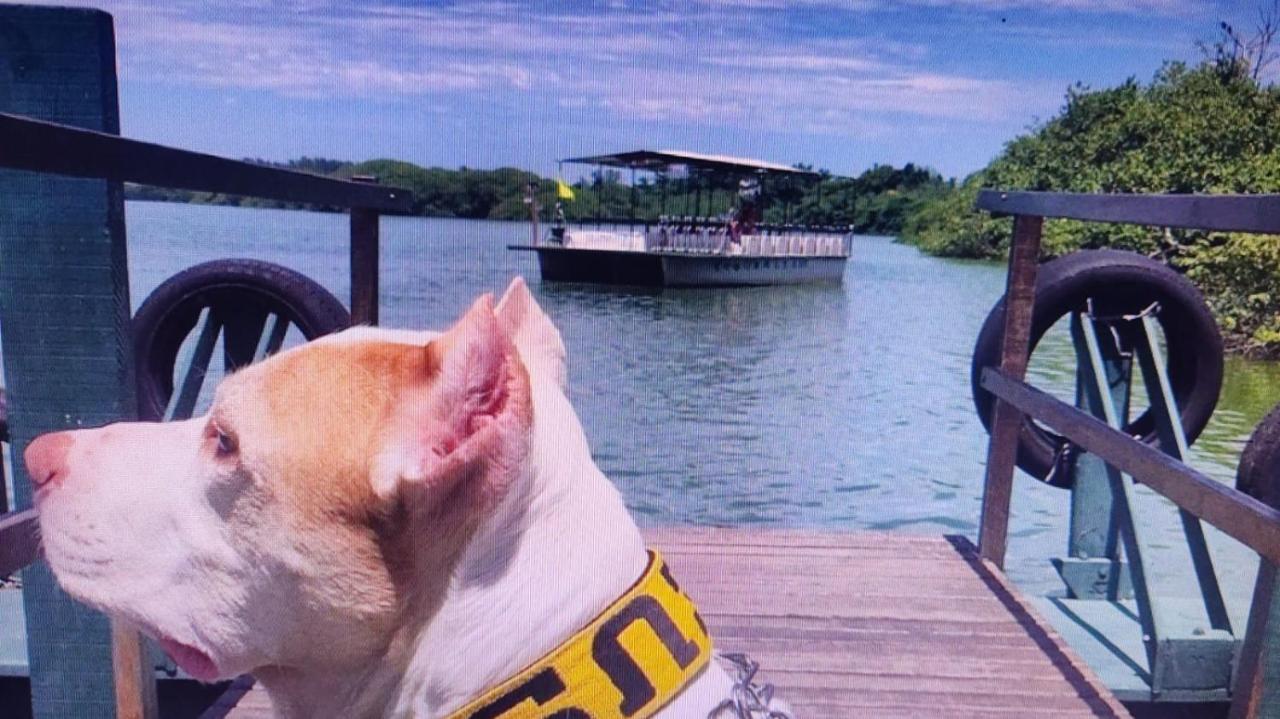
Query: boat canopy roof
[(657, 160)]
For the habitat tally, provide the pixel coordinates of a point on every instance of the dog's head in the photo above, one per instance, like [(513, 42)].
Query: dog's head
[(326, 487)]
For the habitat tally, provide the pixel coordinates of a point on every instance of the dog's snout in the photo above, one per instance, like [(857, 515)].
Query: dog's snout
[(46, 458)]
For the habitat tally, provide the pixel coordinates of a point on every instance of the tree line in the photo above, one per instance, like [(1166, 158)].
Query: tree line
[(876, 202)]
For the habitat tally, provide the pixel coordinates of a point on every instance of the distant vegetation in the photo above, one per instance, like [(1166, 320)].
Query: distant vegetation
[(875, 202), (1212, 127)]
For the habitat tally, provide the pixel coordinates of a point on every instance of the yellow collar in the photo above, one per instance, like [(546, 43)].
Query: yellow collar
[(626, 664)]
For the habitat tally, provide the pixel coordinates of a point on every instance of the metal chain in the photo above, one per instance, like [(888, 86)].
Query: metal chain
[(747, 700)]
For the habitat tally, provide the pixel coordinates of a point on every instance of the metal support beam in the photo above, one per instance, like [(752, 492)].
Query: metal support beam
[(67, 150), (1228, 213), (1019, 302), (1092, 568), (364, 266), (19, 541), (1135, 549), (1173, 442)]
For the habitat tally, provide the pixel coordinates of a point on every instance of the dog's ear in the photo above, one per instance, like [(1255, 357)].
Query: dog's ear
[(529, 327), (462, 430)]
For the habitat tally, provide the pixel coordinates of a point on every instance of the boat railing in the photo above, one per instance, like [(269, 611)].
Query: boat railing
[(702, 235), (1239, 515)]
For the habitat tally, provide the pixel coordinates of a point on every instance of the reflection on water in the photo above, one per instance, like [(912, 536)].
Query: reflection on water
[(795, 406)]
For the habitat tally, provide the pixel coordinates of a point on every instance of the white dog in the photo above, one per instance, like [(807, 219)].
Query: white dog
[(383, 523)]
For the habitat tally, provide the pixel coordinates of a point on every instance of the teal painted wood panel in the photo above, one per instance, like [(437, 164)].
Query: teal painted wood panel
[(64, 310)]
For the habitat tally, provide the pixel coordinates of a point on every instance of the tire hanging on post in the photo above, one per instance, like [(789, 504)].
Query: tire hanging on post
[(1117, 283)]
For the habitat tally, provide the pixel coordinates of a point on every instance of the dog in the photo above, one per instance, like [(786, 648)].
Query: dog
[(376, 523)]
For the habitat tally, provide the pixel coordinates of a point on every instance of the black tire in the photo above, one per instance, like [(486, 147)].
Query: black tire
[(1117, 282), (236, 287), (1259, 472)]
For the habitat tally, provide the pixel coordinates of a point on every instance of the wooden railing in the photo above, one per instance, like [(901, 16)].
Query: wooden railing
[(1235, 513)]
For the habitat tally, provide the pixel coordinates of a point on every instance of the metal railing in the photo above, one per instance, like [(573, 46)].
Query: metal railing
[(39, 146), (45, 147), (1252, 522)]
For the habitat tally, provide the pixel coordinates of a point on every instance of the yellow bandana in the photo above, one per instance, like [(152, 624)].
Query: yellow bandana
[(627, 663)]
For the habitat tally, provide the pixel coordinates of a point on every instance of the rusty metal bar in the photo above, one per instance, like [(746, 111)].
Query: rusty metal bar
[(4, 437), (39, 146), (1250, 521), (364, 266), (1019, 302), (1246, 695), (1227, 213), (19, 541)]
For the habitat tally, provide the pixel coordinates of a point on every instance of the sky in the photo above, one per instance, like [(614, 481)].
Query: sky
[(838, 84)]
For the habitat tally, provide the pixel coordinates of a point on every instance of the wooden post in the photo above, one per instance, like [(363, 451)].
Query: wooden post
[(64, 306), (1019, 301), (364, 266), (135, 677)]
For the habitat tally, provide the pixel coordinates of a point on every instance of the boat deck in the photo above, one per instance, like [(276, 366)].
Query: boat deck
[(865, 624)]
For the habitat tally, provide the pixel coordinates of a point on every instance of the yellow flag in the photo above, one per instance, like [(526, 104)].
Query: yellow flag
[(563, 191)]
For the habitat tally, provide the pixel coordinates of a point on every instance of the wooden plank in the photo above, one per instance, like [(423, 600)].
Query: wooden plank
[(840, 641), (1006, 421), (1235, 513), (1228, 213), (43, 146), (19, 541), (135, 678)]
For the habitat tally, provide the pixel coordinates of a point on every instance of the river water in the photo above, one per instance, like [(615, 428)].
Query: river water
[(836, 407)]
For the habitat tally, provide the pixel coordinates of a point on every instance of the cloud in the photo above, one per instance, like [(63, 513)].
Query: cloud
[(1127, 7), (714, 63)]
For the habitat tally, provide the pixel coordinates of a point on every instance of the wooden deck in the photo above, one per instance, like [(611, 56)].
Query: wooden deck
[(865, 624)]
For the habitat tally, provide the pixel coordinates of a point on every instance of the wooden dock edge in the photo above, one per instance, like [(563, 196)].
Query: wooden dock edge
[(1038, 627)]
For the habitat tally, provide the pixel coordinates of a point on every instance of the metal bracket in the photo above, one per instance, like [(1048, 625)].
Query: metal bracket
[(1189, 654)]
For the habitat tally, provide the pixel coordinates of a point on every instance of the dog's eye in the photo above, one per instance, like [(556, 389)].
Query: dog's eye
[(224, 444)]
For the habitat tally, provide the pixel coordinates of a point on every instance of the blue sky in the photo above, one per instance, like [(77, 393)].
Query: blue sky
[(838, 84)]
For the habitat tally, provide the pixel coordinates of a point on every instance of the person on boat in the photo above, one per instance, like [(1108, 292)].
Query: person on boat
[(559, 223), (744, 223)]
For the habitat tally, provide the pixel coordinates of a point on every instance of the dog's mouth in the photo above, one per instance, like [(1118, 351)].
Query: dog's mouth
[(194, 662)]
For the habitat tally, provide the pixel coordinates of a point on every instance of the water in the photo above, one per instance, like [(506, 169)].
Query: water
[(839, 407)]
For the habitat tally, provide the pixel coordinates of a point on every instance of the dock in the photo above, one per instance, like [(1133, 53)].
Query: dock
[(864, 624)]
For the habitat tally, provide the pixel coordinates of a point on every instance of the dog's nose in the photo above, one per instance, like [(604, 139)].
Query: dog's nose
[(46, 458)]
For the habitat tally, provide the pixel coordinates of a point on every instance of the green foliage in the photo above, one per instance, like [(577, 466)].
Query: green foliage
[(1196, 129), (1240, 274)]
